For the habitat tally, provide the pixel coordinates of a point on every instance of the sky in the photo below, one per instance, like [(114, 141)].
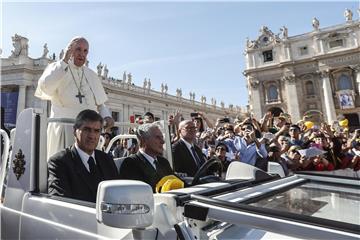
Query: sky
[(197, 46)]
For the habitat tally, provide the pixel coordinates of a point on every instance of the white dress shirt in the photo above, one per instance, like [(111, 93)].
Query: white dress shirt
[(85, 157)]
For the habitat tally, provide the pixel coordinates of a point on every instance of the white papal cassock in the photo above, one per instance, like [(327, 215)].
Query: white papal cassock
[(61, 83)]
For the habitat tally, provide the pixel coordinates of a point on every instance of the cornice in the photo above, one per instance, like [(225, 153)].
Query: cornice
[(163, 100), (353, 51)]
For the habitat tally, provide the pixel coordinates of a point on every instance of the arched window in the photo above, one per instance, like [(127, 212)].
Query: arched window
[(344, 82), (273, 93), (309, 85)]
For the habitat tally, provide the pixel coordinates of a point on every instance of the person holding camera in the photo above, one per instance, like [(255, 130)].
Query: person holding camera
[(203, 131), (251, 150)]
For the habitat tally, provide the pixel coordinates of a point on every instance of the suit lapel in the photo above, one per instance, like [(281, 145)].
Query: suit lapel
[(100, 164), (81, 170), (188, 153), (186, 150), (148, 168)]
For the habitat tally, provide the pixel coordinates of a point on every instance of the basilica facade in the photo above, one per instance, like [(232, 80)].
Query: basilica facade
[(20, 74), (315, 74)]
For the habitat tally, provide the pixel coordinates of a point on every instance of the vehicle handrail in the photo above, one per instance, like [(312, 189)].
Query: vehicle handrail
[(121, 136), (4, 160), (6, 146), (62, 120)]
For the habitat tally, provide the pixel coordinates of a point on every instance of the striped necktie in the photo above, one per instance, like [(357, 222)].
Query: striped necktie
[(197, 159)]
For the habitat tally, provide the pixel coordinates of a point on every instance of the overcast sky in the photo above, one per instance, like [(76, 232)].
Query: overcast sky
[(195, 46)]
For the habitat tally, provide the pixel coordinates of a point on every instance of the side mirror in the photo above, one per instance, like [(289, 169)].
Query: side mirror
[(125, 204)]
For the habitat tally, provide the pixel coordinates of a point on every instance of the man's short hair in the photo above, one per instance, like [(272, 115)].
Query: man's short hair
[(247, 124), (144, 131), (295, 126), (149, 114), (87, 115), (222, 144)]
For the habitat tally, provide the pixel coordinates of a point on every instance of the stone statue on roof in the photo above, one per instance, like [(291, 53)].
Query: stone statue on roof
[(315, 24), (61, 54), (129, 78), (105, 72), (45, 51), (99, 66), (149, 84), (348, 15), (21, 46), (284, 32)]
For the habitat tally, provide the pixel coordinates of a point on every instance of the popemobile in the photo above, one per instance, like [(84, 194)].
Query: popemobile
[(247, 204)]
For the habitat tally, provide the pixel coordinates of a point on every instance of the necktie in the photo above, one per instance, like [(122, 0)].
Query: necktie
[(156, 163), (92, 166), (197, 159)]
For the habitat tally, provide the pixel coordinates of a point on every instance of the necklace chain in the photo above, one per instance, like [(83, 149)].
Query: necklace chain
[(81, 79)]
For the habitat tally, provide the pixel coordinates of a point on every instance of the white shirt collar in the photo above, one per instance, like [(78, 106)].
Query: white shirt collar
[(84, 156), (188, 145), (149, 158)]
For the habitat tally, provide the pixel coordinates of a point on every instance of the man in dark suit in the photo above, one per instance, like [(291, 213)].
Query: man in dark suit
[(76, 172), (147, 165), (188, 158)]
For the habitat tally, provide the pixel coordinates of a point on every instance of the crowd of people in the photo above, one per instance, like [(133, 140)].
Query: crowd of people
[(300, 146)]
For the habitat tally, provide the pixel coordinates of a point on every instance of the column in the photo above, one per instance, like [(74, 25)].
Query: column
[(319, 45), (356, 68), (292, 97), (287, 52), (21, 99), (328, 97), (255, 100)]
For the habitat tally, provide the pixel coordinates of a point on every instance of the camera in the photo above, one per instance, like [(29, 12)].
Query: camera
[(224, 120), (194, 114)]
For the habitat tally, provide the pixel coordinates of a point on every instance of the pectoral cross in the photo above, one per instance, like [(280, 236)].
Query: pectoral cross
[(80, 96)]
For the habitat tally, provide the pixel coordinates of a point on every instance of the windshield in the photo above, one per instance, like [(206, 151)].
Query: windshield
[(319, 200)]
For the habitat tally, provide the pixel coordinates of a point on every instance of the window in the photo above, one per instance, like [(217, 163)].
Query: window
[(309, 86), (344, 82), (303, 50), (268, 56), (311, 106), (336, 43), (115, 116), (273, 95)]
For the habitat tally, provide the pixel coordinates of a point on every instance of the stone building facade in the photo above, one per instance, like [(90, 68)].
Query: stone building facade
[(20, 74), (316, 72)]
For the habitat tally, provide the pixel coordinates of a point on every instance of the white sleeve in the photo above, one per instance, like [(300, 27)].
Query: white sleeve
[(104, 111), (51, 79)]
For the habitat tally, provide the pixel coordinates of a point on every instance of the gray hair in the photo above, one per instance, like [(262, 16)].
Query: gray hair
[(77, 39), (144, 130)]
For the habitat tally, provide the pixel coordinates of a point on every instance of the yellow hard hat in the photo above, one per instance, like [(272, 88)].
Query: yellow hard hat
[(168, 183)]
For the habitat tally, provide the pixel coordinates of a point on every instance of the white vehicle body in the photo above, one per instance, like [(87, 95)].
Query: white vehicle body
[(129, 209)]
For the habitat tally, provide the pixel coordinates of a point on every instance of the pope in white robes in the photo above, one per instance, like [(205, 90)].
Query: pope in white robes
[(71, 87)]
